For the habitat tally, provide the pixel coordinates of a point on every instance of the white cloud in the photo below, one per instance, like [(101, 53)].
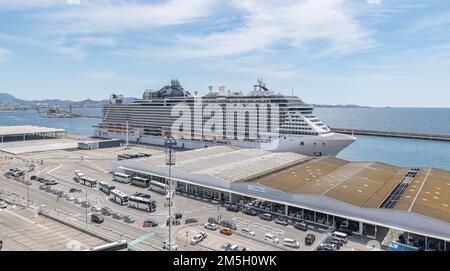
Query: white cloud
[(95, 41), (297, 23), (30, 4), (117, 16), (431, 22), (4, 53)]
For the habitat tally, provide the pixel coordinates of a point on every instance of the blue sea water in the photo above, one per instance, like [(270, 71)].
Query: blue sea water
[(398, 151), (402, 152), (75, 125)]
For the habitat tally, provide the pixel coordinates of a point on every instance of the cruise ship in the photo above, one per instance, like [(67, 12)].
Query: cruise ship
[(261, 119)]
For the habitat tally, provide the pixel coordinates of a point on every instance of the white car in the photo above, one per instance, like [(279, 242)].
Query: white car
[(197, 239), (271, 238), (70, 198), (96, 208), (291, 243), (211, 226), (248, 231), (2, 204)]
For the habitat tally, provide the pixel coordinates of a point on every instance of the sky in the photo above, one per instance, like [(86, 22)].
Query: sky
[(366, 52)]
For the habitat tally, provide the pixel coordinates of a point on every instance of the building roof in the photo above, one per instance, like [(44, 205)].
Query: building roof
[(26, 129), (349, 189)]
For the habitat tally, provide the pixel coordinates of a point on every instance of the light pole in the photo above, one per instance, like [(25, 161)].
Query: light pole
[(170, 161)]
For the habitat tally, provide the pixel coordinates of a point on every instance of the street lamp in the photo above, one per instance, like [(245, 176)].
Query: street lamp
[(170, 161)]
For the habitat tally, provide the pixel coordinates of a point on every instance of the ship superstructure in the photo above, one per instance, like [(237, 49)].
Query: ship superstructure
[(261, 119)]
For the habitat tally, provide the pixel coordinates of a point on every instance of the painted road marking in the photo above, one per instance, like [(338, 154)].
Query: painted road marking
[(142, 238)]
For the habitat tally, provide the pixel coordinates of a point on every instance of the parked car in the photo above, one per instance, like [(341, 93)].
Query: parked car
[(96, 218), (251, 212), (129, 219), (271, 238), (211, 226), (228, 223), (85, 204), (61, 194), (281, 221), (78, 200), (241, 248), (213, 220), (266, 216), (198, 238), (248, 231), (150, 223), (309, 239), (178, 215), (74, 190), (118, 216), (225, 247), (346, 231), (96, 208), (70, 198), (50, 182), (226, 231), (287, 242), (190, 220), (3, 204), (43, 187), (233, 208), (106, 211), (301, 226)]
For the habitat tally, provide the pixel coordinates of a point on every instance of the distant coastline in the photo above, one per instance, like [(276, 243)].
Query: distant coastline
[(339, 106)]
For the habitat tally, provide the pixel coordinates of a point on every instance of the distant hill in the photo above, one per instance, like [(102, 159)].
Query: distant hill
[(6, 98)]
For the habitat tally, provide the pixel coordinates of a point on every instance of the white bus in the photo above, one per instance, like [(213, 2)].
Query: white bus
[(119, 197), (121, 177), (78, 175), (141, 203), (106, 187), (159, 187), (88, 181), (139, 181)]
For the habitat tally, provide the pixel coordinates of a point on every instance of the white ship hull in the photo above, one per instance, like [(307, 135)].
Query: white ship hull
[(324, 145)]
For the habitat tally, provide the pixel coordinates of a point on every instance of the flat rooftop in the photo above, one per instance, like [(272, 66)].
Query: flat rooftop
[(226, 163), (360, 184), (366, 185), (26, 129)]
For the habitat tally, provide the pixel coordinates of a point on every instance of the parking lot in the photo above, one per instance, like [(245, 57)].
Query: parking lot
[(22, 230), (60, 166)]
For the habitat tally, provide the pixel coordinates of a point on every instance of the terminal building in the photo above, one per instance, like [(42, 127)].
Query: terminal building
[(27, 132), (376, 200)]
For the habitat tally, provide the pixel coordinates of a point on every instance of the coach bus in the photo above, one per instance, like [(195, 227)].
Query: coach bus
[(119, 197), (121, 177), (88, 181), (159, 187), (106, 187), (141, 203), (139, 181)]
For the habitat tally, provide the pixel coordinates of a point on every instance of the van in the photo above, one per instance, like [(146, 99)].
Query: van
[(96, 218), (291, 243), (340, 234), (301, 226), (226, 231)]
